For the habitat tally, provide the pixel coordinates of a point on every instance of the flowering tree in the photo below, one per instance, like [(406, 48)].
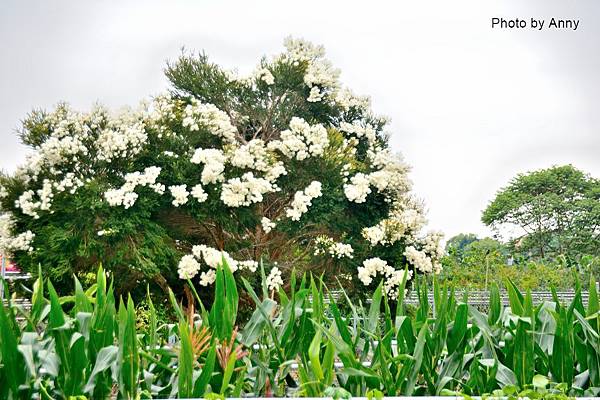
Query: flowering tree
[(284, 165)]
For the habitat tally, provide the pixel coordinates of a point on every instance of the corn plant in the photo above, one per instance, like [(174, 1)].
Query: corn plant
[(298, 342)]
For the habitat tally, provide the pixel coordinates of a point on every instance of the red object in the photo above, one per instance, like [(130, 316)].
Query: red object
[(10, 266)]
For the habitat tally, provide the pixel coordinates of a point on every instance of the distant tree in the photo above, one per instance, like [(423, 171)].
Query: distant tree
[(557, 209), (456, 244), (475, 263)]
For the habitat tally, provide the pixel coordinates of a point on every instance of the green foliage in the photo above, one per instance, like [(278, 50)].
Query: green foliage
[(558, 209), (143, 243), (81, 346), (482, 262)]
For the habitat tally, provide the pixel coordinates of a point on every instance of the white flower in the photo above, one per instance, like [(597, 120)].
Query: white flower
[(199, 194), (302, 200), (120, 141), (340, 250), (346, 99), (359, 130), (274, 281), (321, 73), (209, 116), (254, 155), (10, 243), (275, 171), (418, 259), (326, 245), (27, 204), (180, 194), (250, 265), (213, 257), (432, 244), (302, 140), (214, 164), (267, 224), (301, 50), (315, 95), (3, 192), (125, 195), (265, 75), (393, 278), (207, 278), (358, 190), (237, 192), (369, 269), (188, 267), (23, 241)]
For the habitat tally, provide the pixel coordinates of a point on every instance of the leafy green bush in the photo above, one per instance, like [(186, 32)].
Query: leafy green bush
[(285, 164)]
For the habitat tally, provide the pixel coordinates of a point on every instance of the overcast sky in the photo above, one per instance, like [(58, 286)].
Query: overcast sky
[(471, 106)]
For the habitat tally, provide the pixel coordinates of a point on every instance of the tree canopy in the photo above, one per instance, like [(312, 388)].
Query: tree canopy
[(284, 165), (557, 211)]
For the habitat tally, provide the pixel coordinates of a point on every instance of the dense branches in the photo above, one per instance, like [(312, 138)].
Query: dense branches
[(557, 209)]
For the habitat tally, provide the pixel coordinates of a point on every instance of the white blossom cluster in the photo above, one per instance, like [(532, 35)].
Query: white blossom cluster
[(263, 74), (320, 75), (359, 130), (389, 178), (10, 243), (302, 140), (326, 245), (254, 155), (125, 195), (303, 199), (180, 194), (358, 189), (121, 141), (391, 173), (267, 224), (198, 193), (347, 100), (163, 108), (432, 244), (217, 122), (243, 191), (30, 204), (427, 260), (68, 133), (403, 222), (214, 164), (393, 277), (274, 280), (419, 259), (189, 265)]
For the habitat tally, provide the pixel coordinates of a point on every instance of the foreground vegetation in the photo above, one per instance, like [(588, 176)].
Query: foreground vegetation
[(89, 345)]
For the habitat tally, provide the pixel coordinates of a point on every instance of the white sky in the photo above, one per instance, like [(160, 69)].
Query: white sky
[(470, 106)]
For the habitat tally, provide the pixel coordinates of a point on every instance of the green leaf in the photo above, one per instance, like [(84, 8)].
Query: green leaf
[(106, 358), (314, 355), (128, 354), (418, 360), (206, 373), (11, 357), (185, 362)]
